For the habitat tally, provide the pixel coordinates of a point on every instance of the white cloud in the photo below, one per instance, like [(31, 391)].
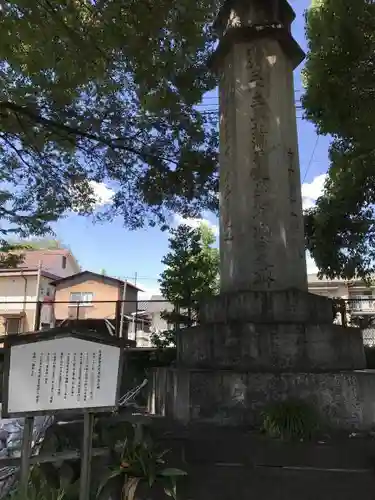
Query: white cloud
[(312, 190), (194, 223), (103, 194)]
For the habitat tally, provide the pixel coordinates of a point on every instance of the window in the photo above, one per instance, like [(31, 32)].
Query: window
[(64, 262), (84, 298), (12, 326)]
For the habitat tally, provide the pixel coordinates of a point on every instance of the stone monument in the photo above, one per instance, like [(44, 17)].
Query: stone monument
[(264, 338)]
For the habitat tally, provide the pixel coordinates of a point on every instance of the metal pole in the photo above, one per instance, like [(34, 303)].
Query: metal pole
[(117, 318), (85, 480), (37, 293), (27, 438), (136, 323), (122, 310)]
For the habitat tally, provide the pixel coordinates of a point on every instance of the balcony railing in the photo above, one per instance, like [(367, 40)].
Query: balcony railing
[(361, 303)]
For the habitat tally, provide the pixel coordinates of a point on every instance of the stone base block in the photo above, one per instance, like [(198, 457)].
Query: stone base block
[(265, 307), (271, 347), (344, 399)]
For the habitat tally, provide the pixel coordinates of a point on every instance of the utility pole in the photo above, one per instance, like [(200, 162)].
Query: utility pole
[(136, 311), (123, 309)]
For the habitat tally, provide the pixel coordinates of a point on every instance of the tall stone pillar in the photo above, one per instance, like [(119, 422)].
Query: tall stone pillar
[(261, 224), (264, 338)]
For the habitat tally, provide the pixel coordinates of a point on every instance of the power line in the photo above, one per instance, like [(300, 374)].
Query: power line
[(311, 158)]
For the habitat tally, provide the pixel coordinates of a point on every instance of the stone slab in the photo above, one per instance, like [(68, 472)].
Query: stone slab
[(271, 347), (204, 443), (264, 307), (241, 483), (344, 399)]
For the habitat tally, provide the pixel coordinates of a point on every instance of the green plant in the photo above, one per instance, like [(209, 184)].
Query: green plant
[(135, 464), (190, 275), (291, 419), (39, 488)]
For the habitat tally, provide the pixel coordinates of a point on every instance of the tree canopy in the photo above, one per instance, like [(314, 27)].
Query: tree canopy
[(105, 90), (191, 274), (340, 90)]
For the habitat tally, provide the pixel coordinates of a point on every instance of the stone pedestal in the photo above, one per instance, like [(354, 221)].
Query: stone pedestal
[(345, 399), (265, 338), (256, 348), (270, 331)]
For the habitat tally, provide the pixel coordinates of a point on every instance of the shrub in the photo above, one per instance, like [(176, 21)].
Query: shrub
[(289, 420), (135, 464)]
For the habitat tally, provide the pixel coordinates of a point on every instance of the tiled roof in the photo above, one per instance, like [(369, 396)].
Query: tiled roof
[(93, 275)]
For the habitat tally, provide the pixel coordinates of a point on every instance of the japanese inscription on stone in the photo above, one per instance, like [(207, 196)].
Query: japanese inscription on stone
[(258, 77), (226, 148), (62, 374)]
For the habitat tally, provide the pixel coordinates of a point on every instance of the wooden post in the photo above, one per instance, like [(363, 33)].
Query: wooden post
[(27, 439), (121, 331), (118, 318), (85, 480), (38, 311), (136, 323)]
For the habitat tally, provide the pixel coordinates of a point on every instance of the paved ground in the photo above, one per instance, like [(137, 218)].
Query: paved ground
[(234, 464), (239, 483)]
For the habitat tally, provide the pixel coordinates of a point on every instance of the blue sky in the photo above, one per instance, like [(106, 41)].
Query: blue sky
[(123, 253)]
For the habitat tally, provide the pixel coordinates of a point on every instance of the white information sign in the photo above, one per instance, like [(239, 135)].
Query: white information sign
[(61, 374)]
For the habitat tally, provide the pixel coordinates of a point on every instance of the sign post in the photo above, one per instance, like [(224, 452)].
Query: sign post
[(88, 428), (55, 371), (27, 438)]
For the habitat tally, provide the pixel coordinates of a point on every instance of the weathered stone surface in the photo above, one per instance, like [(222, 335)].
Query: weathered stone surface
[(274, 341), (253, 13), (261, 224), (271, 347), (344, 399), (264, 307)]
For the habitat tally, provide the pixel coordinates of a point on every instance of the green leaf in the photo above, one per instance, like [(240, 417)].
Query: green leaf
[(87, 99), (171, 488), (108, 476), (190, 275), (339, 100), (130, 488), (172, 472)]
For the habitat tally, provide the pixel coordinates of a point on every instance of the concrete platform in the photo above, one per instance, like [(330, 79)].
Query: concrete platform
[(344, 400), (271, 347), (290, 305)]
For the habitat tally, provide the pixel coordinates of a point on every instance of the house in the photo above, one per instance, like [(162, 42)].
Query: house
[(358, 295), (89, 295), (22, 287), (359, 307), (149, 319), (58, 261), (155, 308)]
